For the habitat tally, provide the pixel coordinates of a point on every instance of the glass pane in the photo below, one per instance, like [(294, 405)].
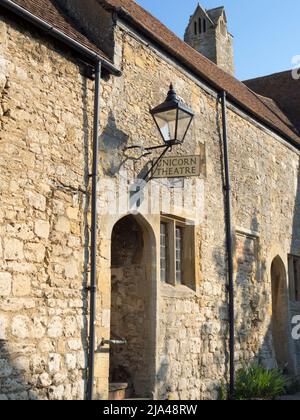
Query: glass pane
[(183, 123), (163, 252), (179, 255), (166, 122)]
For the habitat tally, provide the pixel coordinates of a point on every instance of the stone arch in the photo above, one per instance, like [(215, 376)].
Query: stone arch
[(133, 305), (280, 329)]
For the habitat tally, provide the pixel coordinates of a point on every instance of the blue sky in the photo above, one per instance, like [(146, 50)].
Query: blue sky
[(266, 32)]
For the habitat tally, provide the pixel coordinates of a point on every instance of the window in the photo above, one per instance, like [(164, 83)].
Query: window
[(177, 252), (294, 278), (163, 252), (200, 26), (204, 25), (195, 27)]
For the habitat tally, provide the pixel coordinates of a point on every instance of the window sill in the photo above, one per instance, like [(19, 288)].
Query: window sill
[(178, 291)]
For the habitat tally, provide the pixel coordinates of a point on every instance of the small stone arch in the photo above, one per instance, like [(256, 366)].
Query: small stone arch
[(280, 327), (133, 305)]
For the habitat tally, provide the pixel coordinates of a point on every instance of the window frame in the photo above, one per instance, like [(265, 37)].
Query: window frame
[(163, 278), (179, 254), (294, 281), (188, 254)]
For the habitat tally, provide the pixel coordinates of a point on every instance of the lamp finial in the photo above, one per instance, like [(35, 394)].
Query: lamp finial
[(172, 94)]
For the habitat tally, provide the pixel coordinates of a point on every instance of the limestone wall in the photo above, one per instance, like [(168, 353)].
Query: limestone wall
[(264, 183), (44, 143), (45, 137)]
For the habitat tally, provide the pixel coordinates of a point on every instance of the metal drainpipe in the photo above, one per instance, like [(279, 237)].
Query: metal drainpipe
[(93, 282), (229, 246)]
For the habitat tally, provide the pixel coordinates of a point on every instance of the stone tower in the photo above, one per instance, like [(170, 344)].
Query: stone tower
[(207, 32)]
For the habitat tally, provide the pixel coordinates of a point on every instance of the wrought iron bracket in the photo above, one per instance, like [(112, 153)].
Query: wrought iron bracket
[(148, 178), (147, 151)]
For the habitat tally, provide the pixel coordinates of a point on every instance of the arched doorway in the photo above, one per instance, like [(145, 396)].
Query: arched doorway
[(280, 313), (133, 307)]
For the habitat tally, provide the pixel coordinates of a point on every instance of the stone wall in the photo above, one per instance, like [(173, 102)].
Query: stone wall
[(44, 143), (264, 196), (225, 51), (205, 43), (44, 214)]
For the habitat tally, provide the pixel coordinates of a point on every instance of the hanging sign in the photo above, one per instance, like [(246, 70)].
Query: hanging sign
[(180, 167)]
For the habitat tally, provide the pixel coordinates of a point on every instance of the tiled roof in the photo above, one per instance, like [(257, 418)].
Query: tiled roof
[(51, 13), (284, 90), (200, 65), (237, 91), (272, 105)]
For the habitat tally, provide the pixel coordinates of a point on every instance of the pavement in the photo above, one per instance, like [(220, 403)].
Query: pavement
[(295, 397)]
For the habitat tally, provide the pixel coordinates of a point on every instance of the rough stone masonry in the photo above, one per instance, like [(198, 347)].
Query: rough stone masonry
[(46, 118)]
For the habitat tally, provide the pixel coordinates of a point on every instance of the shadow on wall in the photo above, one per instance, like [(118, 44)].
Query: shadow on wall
[(112, 144), (253, 296), (252, 301), (252, 292), (14, 380), (163, 374), (114, 155), (295, 251)]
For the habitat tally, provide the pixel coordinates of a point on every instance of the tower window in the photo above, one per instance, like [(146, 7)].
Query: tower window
[(204, 25), (195, 27), (200, 26)]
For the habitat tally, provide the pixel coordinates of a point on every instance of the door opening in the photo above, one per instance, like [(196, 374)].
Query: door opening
[(131, 364), (280, 314)]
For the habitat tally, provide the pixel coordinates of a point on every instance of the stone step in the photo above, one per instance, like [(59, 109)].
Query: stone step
[(117, 391)]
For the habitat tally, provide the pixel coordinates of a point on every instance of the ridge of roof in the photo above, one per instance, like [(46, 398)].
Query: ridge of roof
[(279, 73), (238, 93), (215, 8)]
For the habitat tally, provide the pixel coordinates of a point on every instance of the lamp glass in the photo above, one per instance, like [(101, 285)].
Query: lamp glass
[(166, 122), (184, 121)]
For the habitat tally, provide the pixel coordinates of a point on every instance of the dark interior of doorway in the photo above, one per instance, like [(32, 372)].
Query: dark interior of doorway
[(130, 311)]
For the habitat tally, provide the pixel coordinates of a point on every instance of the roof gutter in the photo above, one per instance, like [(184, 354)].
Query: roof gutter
[(55, 33)]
